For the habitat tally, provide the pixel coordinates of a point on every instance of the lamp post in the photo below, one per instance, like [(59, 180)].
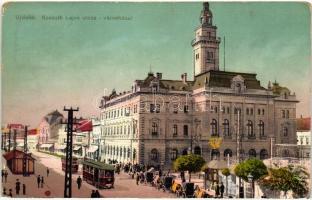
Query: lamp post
[(250, 180)]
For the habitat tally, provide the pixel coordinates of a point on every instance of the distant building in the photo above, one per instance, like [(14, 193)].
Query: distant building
[(160, 119), (48, 130), (32, 139), (304, 137)]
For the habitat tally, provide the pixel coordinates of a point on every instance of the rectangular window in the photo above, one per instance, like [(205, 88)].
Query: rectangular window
[(185, 130), (175, 130)]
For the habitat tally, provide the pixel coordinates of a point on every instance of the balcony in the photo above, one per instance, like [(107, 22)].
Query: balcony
[(205, 39), (154, 134), (251, 137)]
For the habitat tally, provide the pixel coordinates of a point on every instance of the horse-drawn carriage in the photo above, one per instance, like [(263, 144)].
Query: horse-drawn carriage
[(99, 174)]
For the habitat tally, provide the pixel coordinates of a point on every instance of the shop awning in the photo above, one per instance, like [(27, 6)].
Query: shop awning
[(46, 145), (76, 148), (92, 149), (60, 147)]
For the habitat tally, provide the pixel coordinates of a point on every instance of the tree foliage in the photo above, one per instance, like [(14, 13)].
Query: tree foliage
[(287, 179), (190, 163), (226, 172), (252, 166)]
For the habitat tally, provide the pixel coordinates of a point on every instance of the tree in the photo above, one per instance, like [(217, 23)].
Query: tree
[(252, 166), (190, 163), (226, 173), (286, 179)]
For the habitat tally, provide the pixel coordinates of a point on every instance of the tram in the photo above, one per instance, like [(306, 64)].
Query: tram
[(75, 164), (99, 174)]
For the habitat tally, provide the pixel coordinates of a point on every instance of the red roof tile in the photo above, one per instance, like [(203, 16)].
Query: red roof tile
[(15, 154), (304, 124)]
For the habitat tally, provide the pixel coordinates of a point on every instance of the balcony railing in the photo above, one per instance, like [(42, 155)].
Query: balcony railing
[(205, 38)]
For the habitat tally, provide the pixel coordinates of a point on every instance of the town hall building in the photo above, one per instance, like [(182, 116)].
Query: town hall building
[(159, 120)]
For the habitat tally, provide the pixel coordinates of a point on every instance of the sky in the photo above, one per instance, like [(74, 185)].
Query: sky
[(49, 64)]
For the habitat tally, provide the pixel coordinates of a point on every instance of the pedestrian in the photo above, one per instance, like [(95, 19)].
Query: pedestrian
[(5, 175), (79, 181), (38, 180), (217, 190), (97, 194), (4, 192), (24, 189), (17, 186), (222, 189), (42, 181), (48, 171), (137, 179), (93, 195), (10, 193)]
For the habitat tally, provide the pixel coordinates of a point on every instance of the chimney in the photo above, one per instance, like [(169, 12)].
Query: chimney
[(184, 77), (159, 75)]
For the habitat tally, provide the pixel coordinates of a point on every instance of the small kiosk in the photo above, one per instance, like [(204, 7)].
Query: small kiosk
[(99, 174), (14, 161)]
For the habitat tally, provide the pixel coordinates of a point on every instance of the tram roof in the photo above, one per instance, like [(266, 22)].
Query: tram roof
[(98, 165)]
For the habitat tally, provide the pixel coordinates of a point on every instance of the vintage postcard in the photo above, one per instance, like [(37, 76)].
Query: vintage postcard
[(156, 99)]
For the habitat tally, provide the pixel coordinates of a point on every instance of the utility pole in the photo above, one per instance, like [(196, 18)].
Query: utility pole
[(14, 140), (25, 172), (69, 153), (10, 140)]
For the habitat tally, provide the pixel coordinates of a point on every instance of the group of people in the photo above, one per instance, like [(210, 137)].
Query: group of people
[(4, 175), (17, 189)]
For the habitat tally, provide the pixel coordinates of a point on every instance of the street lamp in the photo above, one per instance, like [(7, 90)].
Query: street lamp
[(250, 180)]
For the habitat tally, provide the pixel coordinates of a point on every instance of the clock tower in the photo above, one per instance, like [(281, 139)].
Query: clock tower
[(206, 43)]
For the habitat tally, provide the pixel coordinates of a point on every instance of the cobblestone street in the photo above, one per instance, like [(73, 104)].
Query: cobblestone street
[(124, 185)]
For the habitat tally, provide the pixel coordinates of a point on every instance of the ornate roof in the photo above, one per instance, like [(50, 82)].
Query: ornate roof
[(304, 124)]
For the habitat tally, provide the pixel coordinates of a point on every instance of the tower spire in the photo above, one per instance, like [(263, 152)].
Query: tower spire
[(206, 43)]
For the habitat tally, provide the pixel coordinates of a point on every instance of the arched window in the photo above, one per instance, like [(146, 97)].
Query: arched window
[(134, 154), (226, 128), (117, 151), (285, 131), (154, 128), (247, 111), (154, 155), (250, 129), (184, 152), (120, 152), (125, 152), (216, 109), (287, 114), (173, 154), (252, 153), (128, 153), (261, 128), (128, 129), (264, 154), (197, 150), (185, 130), (227, 152), (215, 154), (214, 127)]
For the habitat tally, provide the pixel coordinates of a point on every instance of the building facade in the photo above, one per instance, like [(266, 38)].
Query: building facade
[(48, 130), (304, 137), (158, 119)]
